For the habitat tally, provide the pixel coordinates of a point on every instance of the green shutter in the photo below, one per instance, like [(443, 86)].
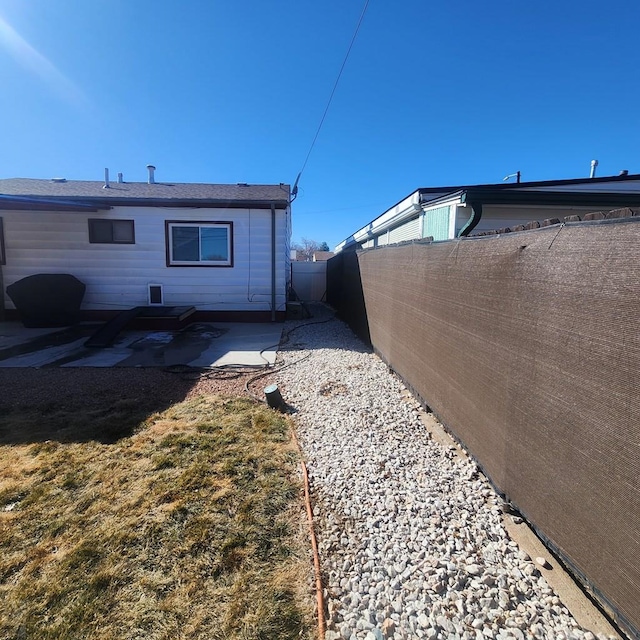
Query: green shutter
[(436, 223)]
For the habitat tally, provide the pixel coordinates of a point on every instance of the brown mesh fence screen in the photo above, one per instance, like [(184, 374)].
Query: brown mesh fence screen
[(527, 347), (345, 294)]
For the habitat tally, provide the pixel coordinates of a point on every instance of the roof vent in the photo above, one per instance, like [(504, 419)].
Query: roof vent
[(594, 164), (106, 178), (58, 179), (120, 178), (151, 169), (624, 172), (242, 184)]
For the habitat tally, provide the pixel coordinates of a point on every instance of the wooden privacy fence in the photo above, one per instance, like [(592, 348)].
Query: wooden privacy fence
[(309, 280), (527, 347)]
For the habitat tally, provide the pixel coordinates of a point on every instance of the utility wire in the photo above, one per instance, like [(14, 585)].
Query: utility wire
[(335, 86)]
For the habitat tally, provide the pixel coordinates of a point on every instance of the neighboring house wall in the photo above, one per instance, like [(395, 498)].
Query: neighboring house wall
[(444, 222), (117, 275), (437, 222), (441, 213), (495, 216), (407, 231)]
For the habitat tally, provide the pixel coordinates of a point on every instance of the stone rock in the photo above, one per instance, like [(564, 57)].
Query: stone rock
[(388, 628), (423, 620), (408, 532), (445, 624)]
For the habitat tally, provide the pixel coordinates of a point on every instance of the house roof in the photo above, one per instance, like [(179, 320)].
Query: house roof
[(602, 194), (603, 183), (608, 191), (87, 193)]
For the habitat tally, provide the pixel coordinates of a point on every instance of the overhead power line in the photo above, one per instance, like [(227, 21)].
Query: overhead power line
[(335, 86)]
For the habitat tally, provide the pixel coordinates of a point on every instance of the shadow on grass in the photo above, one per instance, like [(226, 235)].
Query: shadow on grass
[(188, 529), (82, 405)]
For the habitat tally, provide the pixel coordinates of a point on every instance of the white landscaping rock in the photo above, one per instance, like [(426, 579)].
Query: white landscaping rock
[(410, 536)]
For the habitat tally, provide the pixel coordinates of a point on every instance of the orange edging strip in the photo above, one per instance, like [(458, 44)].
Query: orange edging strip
[(316, 557), (314, 543)]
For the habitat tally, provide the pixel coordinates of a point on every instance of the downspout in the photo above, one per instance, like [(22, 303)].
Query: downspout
[(2, 310), (273, 262), (476, 214), (3, 260)]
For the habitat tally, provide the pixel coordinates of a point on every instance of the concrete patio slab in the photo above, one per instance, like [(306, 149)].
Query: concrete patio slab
[(202, 345)]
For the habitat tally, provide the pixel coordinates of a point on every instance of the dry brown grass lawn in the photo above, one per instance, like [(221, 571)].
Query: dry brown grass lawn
[(188, 528)]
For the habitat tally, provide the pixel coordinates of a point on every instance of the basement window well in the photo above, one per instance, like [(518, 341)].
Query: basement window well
[(204, 244)]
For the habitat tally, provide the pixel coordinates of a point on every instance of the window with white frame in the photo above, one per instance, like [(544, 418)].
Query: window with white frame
[(206, 244)]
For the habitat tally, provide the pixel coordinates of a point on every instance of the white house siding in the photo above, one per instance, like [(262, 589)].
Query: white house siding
[(117, 275), (445, 221), (407, 231), (382, 239)]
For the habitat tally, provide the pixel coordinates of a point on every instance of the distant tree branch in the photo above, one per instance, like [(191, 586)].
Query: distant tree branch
[(306, 248)]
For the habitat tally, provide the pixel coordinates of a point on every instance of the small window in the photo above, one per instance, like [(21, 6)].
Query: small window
[(155, 294), (199, 244), (111, 231), (2, 256)]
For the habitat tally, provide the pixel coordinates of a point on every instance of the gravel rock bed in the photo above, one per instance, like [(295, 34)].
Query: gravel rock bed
[(411, 539)]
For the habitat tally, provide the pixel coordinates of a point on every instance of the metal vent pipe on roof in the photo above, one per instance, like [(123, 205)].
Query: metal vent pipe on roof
[(152, 177), (106, 178), (624, 172), (120, 178), (594, 164)]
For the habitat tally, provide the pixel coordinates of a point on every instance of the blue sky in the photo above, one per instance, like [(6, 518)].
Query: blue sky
[(434, 93)]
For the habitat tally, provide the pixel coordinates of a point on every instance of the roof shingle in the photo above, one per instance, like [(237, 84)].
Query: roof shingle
[(139, 192)]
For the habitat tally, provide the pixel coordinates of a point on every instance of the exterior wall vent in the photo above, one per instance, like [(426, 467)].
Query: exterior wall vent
[(156, 294)]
